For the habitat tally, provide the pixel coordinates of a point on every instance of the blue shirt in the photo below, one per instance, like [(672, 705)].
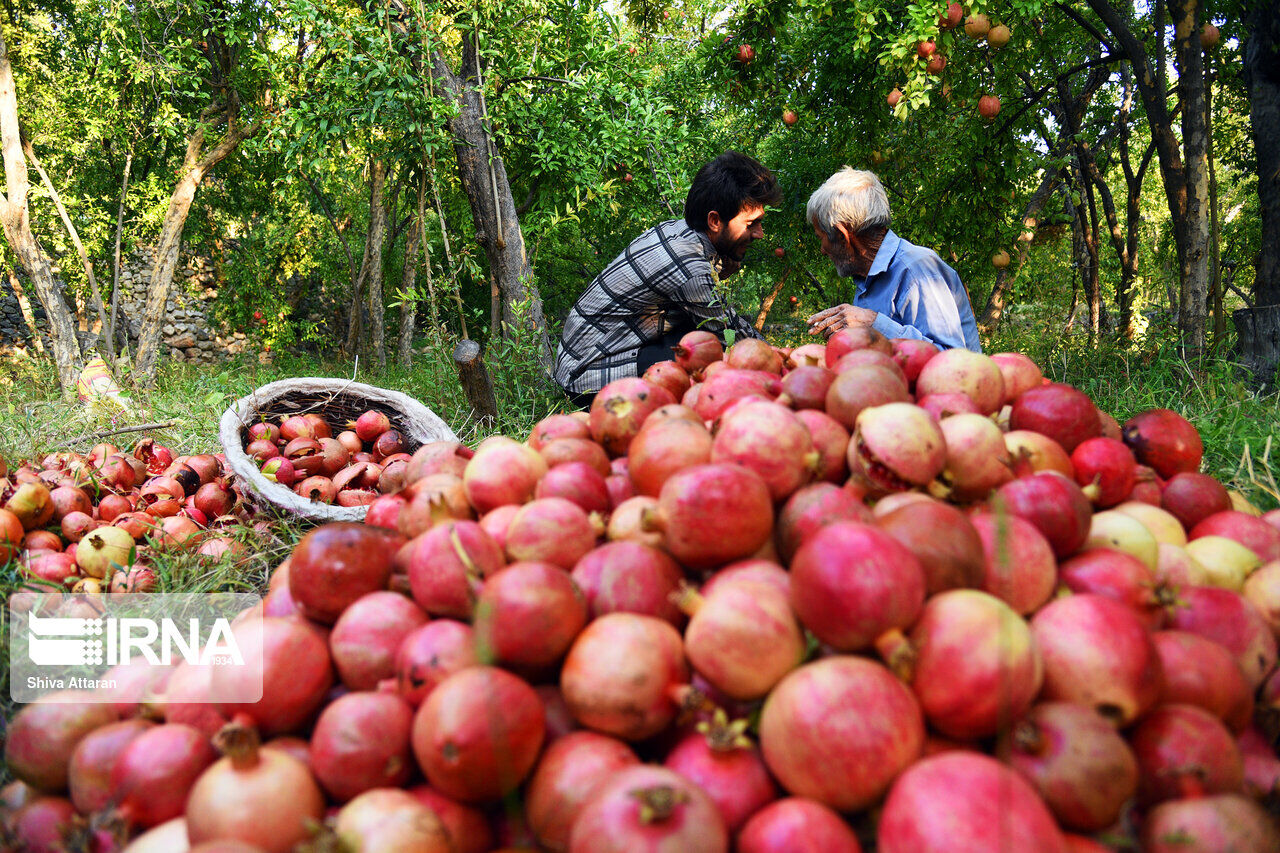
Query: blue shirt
[(918, 296)]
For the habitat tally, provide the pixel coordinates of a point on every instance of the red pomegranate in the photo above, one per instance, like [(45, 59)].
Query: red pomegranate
[(619, 410), (89, 773), (806, 387), (468, 826), (527, 615), (696, 350), (942, 539), (967, 372), (1105, 469), (1119, 576), (336, 564), (578, 482), (448, 564), (365, 638), (853, 338), (851, 583), (443, 457), (839, 730), (967, 685), (262, 797), (669, 375), (1076, 760), (1054, 504), (724, 763), (1019, 567), (1200, 672), (795, 823), (360, 742), (753, 354), (622, 673), (1030, 452), (1222, 822), (965, 802), (154, 773), (42, 737), (1164, 440), (1059, 411), (648, 808), (767, 438), (289, 659), (1019, 372), (713, 514), (478, 734), (1253, 533), (831, 441), (720, 391), (429, 655), (629, 577), (1193, 497), (562, 451), (40, 825), (567, 774), (896, 447), (810, 509), (502, 471), (862, 387), (551, 530), (1099, 653), (1227, 618), (1184, 750), (743, 638)]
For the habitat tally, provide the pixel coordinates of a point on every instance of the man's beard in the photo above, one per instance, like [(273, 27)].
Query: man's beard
[(843, 261), (730, 250)]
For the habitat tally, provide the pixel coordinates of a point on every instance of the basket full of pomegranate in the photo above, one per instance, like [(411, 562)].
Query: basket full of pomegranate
[(323, 449), (860, 595)]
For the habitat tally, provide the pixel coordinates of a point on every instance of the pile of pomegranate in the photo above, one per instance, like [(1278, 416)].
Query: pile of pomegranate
[(365, 460), (853, 594), (88, 523)]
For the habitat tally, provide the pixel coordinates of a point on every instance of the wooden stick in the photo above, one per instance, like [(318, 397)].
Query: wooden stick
[(118, 431), (474, 378)]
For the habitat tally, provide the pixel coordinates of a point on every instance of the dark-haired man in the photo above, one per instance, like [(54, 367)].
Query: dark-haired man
[(662, 286)]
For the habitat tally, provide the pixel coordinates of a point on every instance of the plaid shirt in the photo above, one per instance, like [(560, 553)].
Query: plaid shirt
[(663, 281)]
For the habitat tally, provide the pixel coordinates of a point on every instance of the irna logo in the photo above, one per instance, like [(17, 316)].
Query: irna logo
[(61, 641)]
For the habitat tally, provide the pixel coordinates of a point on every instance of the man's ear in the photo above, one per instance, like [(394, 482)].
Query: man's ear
[(847, 235), (714, 224)]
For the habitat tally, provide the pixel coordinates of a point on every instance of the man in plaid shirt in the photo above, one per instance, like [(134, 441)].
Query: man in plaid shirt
[(662, 285)]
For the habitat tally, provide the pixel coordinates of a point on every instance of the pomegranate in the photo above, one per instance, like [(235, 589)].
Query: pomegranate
[(495, 524), (1227, 618), (1212, 823), (753, 354), (468, 827), (862, 387), (367, 635), (318, 489), (942, 539), (577, 482), (1193, 497), (385, 512), (1262, 590), (564, 450), (1119, 576), (1076, 760), (390, 819), (40, 826), (941, 406), (1183, 750), (912, 355), (722, 761), (1030, 452), (713, 514), (793, 824), (361, 741), (762, 571), (1253, 533), (967, 372), (1054, 504), (1164, 440), (629, 577), (720, 391), (696, 350), (1105, 469), (743, 638), (1200, 672), (338, 563), (289, 659), (478, 734), (859, 357), (263, 797), (567, 774), (810, 509), (831, 441), (965, 802), (429, 655), (895, 447), (43, 736), (1122, 532), (669, 375), (502, 471), (552, 530), (527, 615), (767, 438), (1162, 525), (1097, 652), (1019, 372), (806, 387), (853, 338), (440, 457), (839, 730), (447, 565), (89, 772), (850, 583), (648, 808), (1019, 568), (626, 523), (104, 550), (1059, 411), (32, 504), (621, 674), (154, 773), (1261, 766), (619, 410)]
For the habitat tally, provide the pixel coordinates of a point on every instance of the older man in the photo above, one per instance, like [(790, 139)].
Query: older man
[(902, 290), (663, 285)]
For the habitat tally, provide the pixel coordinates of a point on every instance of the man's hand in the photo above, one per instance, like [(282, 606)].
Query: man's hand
[(837, 317)]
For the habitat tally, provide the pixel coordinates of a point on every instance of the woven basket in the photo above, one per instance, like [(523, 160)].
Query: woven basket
[(339, 401)]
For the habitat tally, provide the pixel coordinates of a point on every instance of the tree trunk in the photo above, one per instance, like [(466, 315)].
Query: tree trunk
[(194, 168), (378, 233), (409, 281), (1262, 73), (24, 305), (493, 208), (356, 314), (767, 305), (1195, 272), (1004, 279), (15, 213), (79, 247), (115, 264)]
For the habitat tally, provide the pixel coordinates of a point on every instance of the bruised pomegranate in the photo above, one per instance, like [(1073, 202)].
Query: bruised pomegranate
[(429, 655), (862, 387), (478, 734), (839, 730), (1076, 760), (965, 802), (1211, 823)]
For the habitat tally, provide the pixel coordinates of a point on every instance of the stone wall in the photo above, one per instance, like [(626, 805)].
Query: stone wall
[(188, 331)]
